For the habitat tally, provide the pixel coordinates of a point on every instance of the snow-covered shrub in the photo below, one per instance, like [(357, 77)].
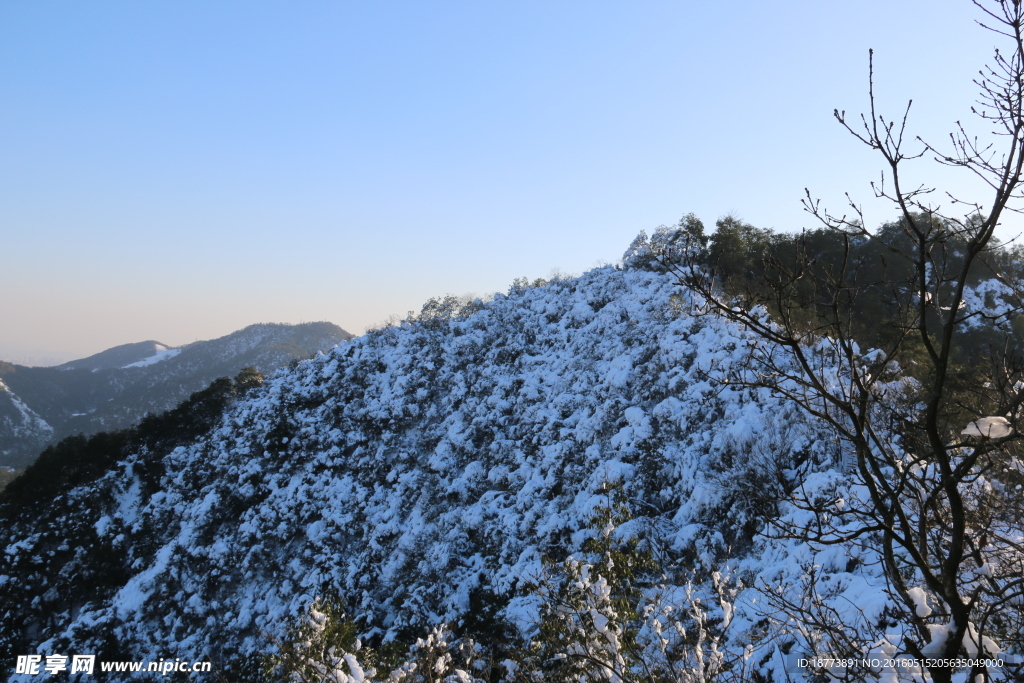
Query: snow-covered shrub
[(666, 246), (589, 616), (442, 658), (686, 632), (609, 616), (322, 648)]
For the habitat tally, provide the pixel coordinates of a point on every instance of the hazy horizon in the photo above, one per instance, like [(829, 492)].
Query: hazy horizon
[(179, 171), (29, 358)]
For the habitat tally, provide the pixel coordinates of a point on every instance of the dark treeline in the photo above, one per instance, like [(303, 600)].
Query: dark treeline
[(824, 276)]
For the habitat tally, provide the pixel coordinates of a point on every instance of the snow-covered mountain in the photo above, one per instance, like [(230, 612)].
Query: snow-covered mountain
[(125, 355), (117, 387), (419, 472)]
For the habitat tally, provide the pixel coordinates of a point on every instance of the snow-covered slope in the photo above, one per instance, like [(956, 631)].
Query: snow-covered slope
[(416, 471), (19, 425)]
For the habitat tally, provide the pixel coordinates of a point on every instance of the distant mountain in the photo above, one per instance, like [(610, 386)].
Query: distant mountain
[(117, 387), (122, 356)]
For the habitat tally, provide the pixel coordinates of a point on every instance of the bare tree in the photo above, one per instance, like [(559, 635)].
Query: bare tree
[(929, 423)]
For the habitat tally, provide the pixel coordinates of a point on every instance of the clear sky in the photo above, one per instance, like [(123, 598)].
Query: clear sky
[(178, 170)]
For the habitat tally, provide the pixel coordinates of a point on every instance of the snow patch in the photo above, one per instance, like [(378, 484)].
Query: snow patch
[(162, 353)]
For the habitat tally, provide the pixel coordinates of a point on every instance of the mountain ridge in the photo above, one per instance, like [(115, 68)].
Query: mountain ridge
[(116, 356), (117, 387)]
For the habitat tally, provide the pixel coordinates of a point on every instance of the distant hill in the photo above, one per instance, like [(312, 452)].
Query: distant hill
[(117, 387), (122, 356)]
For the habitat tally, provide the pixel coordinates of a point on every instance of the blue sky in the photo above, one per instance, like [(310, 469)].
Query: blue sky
[(176, 171)]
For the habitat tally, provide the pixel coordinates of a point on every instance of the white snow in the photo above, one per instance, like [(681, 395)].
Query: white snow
[(30, 421), (162, 353), (989, 427)]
